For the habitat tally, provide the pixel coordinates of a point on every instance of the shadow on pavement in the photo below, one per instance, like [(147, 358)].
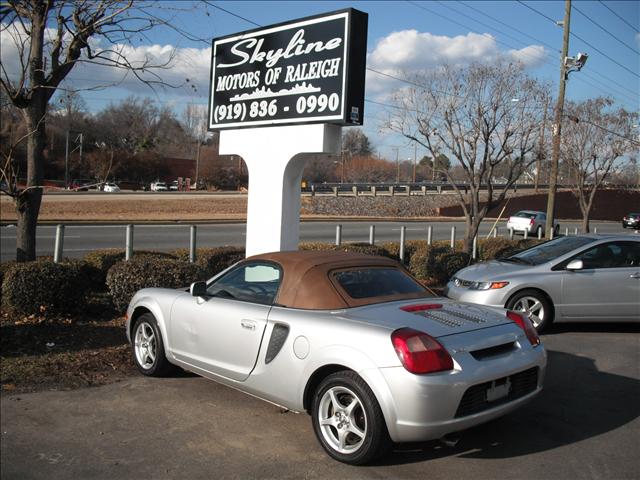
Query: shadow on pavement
[(587, 327), (578, 402)]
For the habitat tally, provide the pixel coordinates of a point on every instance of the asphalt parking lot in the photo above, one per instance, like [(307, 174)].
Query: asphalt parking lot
[(584, 425)]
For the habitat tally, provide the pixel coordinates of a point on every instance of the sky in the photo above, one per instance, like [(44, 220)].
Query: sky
[(404, 37)]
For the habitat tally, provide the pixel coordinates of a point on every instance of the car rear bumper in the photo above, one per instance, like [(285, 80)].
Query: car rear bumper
[(429, 407)]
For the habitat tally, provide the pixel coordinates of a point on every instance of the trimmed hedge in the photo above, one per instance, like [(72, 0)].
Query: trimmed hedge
[(212, 260), (100, 261), (45, 288), (125, 278), (448, 263)]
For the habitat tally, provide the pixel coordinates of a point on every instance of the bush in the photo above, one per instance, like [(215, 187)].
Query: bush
[(498, 247), (125, 278), (447, 264), (100, 261), (4, 268), (323, 247), (214, 260), (45, 288), (359, 247), (410, 247), (423, 260)]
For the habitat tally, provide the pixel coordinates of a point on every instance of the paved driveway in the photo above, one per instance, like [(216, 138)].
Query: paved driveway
[(584, 425)]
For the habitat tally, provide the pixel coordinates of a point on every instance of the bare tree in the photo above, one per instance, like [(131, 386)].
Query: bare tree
[(593, 141), (51, 38), (483, 117), (356, 142)]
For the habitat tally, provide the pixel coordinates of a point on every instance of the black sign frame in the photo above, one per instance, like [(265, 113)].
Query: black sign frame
[(239, 111)]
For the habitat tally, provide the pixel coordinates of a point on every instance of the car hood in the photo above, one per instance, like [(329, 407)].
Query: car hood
[(492, 270), (436, 316)]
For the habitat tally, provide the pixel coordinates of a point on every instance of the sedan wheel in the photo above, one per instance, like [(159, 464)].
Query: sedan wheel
[(535, 306), (347, 419), (148, 347)]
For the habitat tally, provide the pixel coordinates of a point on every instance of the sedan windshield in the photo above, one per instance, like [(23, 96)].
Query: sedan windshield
[(549, 250)]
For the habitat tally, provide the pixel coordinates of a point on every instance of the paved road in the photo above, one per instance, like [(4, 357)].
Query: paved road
[(83, 238), (584, 425)]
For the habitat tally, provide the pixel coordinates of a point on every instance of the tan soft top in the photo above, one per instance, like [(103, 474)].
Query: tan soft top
[(306, 282)]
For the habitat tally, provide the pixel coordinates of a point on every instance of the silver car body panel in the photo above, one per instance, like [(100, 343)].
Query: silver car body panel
[(215, 343), (606, 294)]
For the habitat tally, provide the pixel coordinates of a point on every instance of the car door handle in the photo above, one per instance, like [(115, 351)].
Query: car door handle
[(635, 275), (248, 324)]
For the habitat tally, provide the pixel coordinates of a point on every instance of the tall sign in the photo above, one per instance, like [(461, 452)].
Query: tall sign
[(310, 70)]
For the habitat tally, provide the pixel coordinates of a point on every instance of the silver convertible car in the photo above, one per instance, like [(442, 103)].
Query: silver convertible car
[(577, 278), (352, 339)]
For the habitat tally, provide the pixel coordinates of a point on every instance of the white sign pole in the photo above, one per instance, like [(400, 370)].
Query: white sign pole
[(276, 158)]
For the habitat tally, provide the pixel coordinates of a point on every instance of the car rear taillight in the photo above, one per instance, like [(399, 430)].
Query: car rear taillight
[(531, 222), (525, 324), (419, 352)]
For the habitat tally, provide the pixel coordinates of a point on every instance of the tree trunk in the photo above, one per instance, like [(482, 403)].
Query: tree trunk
[(29, 200)]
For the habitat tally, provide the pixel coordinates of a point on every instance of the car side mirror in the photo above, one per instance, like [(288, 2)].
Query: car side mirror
[(575, 265), (198, 289)]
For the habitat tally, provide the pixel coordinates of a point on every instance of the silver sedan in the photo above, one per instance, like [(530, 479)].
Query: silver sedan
[(577, 278), (354, 340)]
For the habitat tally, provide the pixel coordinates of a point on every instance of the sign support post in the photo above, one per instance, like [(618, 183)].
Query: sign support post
[(275, 158)]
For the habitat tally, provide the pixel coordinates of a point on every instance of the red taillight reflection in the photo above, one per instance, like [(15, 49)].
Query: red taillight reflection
[(419, 352), (525, 324)]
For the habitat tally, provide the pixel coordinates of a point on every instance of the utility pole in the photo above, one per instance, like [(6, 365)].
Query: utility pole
[(397, 166), (198, 163), (415, 153), (66, 162), (557, 126), (541, 147)]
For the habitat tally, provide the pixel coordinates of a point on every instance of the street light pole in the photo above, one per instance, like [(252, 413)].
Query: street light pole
[(557, 126)]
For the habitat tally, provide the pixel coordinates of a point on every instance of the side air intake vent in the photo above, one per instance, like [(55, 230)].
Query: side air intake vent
[(278, 337)]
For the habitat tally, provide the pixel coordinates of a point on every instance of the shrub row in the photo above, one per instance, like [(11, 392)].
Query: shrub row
[(46, 288)]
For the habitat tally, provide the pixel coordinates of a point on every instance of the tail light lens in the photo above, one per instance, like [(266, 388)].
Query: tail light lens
[(531, 222), (419, 352), (525, 324)]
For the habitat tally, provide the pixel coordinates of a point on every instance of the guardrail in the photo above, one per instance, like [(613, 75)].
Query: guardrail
[(422, 188)]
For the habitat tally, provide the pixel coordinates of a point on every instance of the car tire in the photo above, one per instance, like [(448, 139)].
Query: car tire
[(148, 347), (536, 305), (348, 421)]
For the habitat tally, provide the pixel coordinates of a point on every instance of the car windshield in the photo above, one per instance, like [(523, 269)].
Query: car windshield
[(549, 250), (525, 215), (377, 282)]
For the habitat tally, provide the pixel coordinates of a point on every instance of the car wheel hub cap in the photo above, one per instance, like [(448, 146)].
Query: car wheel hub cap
[(145, 346), (342, 419), (533, 308)]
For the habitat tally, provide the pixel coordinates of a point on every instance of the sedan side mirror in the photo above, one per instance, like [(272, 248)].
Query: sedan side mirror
[(575, 265), (198, 289)]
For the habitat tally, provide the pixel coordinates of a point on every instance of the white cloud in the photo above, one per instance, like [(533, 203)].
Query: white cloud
[(409, 51), (184, 63)]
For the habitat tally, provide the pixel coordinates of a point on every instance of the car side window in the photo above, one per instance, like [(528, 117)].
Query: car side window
[(611, 255), (251, 282)]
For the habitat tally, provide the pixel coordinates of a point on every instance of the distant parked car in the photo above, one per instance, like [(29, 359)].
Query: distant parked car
[(632, 221), (531, 222), (159, 187), (110, 187), (577, 278), (174, 186)]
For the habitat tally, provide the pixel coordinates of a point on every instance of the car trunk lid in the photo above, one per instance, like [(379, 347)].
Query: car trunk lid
[(436, 316)]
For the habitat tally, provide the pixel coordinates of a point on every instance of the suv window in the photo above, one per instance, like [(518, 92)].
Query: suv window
[(611, 255), (251, 282)]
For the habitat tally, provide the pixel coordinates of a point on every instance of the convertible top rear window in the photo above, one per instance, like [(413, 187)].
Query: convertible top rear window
[(377, 282)]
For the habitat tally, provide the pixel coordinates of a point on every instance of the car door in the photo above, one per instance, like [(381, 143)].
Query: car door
[(608, 285), (222, 332)]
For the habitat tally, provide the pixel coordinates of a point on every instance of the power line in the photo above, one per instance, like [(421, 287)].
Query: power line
[(581, 39), (605, 30), (552, 48), (635, 29), (580, 120)]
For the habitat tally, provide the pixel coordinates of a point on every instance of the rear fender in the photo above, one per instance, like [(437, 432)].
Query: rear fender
[(360, 363)]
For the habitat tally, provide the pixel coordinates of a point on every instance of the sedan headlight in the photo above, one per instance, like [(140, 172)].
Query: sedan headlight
[(487, 285)]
